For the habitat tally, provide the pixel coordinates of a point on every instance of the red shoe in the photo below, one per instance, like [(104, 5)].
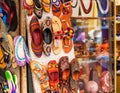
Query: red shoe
[(36, 35)]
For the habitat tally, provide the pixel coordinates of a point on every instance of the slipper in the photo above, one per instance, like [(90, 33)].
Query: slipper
[(19, 51), (57, 8), (40, 71), (38, 9), (11, 45), (29, 6), (36, 35), (64, 70), (47, 36), (46, 5), (10, 82), (9, 7), (58, 35), (53, 73), (69, 33), (74, 80)]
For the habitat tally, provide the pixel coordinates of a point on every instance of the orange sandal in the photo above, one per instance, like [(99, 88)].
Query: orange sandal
[(53, 74)]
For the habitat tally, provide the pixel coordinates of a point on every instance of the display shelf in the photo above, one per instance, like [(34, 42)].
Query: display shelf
[(93, 18)]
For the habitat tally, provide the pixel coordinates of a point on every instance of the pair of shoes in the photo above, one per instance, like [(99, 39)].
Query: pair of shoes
[(21, 52), (41, 35), (40, 71), (9, 7), (63, 37)]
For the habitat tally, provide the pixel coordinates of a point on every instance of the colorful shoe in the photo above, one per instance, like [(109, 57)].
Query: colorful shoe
[(58, 35), (40, 71), (47, 36), (19, 51), (64, 70), (36, 35), (38, 9), (29, 6), (53, 74)]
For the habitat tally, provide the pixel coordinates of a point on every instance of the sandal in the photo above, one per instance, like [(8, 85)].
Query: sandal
[(57, 8), (36, 35), (57, 42), (40, 71), (38, 9), (67, 8), (74, 80), (47, 36), (64, 70), (29, 6), (53, 73), (46, 5)]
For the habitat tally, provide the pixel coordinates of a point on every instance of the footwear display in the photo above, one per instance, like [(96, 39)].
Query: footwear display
[(58, 46)]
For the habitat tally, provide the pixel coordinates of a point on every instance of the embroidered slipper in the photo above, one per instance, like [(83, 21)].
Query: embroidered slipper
[(11, 45), (10, 82), (9, 7), (29, 6), (57, 42), (64, 70), (19, 51), (46, 5), (68, 34), (53, 73), (57, 8), (74, 80), (40, 71), (36, 35), (38, 9), (47, 36)]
